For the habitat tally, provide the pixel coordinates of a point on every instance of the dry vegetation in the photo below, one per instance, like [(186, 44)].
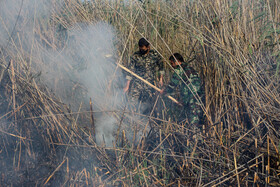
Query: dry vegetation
[(235, 46)]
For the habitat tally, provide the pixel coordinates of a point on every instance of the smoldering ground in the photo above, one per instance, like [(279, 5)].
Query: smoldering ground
[(83, 67), (78, 63), (91, 54)]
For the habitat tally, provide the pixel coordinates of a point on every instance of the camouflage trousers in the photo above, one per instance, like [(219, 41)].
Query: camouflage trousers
[(194, 113), (141, 97), (190, 113)]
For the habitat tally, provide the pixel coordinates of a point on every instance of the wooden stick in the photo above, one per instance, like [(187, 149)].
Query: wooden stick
[(146, 82), (266, 176), (13, 80), (268, 160), (256, 177), (276, 149), (236, 168), (54, 172), (92, 120)]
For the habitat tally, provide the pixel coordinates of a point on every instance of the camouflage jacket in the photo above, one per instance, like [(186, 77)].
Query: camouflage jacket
[(146, 66), (179, 90)]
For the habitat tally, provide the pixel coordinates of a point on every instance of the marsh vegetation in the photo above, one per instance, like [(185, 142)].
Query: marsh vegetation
[(64, 119)]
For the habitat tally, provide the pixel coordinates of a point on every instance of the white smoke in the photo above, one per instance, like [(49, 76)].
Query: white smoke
[(19, 17), (95, 66), (89, 61), (83, 67)]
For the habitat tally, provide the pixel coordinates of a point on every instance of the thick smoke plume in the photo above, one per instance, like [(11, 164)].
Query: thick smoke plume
[(93, 66), (19, 20), (75, 63)]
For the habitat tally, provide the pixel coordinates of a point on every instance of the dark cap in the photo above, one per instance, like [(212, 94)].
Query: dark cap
[(143, 42), (176, 56)]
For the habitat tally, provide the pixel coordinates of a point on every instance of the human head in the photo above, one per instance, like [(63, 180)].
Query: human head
[(176, 59), (144, 46)]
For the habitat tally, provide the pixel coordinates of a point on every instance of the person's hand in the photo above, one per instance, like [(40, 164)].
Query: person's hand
[(125, 90), (160, 83), (179, 103)]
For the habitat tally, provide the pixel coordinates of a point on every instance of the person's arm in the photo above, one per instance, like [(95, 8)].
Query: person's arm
[(173, 83), (128, 76), (161, 71), (161, 80), (126, 88), (165, 91)]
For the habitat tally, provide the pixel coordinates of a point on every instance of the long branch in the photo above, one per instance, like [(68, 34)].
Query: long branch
[(146, 82)]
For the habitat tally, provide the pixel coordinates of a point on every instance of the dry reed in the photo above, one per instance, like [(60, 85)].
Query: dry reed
[(234, 45)]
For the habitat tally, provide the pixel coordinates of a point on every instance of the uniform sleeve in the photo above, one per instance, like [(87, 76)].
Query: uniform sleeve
[(131, 66), (170, 87), (195, 83), (160, 65), (174, 81)]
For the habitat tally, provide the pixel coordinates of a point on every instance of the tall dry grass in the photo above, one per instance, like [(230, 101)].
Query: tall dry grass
[(234, 45)]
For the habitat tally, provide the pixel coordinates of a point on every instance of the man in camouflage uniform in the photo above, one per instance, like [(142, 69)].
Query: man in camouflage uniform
[(185, 86), (145, 63)]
